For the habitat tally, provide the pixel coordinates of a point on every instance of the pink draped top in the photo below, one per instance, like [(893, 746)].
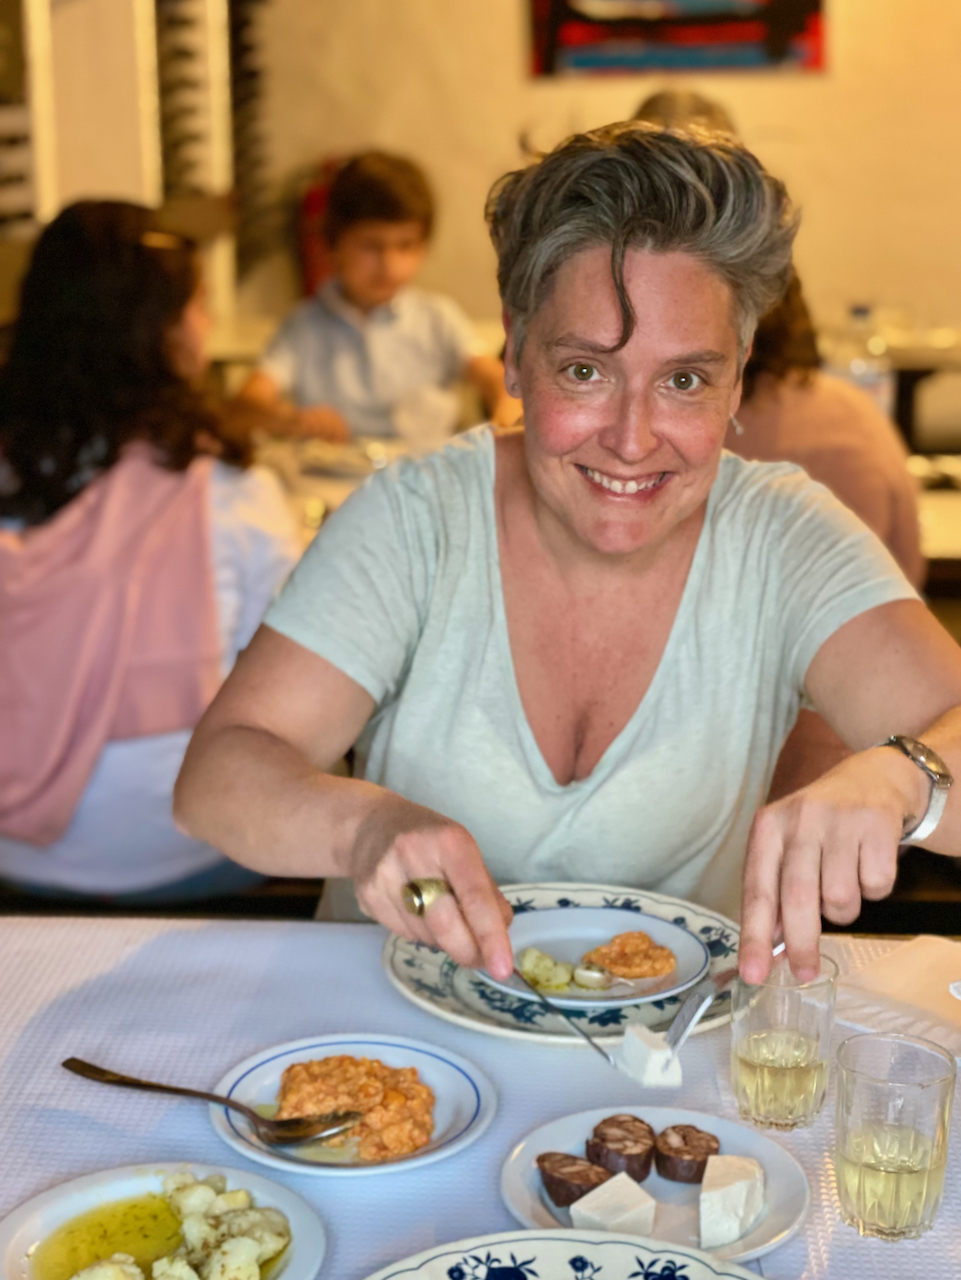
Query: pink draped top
[(108, 629)]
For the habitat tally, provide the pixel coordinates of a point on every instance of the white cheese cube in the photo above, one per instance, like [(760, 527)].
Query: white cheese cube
[(732, 1195), (644, 1055), (619, 1204)]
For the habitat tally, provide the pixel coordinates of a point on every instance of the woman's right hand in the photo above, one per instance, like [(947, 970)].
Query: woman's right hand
[(399, 841)]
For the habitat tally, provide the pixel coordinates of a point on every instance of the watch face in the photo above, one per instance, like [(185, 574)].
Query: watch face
[(928, 760)]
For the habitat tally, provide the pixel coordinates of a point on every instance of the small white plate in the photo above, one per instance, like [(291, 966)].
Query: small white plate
[(566, 934), (465, 1101), (786, 1190), (560, 1255), (32, 1222)]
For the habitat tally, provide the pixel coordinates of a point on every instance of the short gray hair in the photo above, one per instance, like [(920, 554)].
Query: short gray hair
[(635, 186)]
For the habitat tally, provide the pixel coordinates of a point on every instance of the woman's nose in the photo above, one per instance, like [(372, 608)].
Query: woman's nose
[(631, 434)]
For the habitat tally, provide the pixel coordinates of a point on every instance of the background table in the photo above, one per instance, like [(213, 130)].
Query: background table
[(185, 1000)]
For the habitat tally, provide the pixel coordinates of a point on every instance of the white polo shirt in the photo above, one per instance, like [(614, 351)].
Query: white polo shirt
[(369, 366)]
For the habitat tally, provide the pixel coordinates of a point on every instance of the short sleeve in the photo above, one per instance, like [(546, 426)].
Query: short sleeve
[(359, 596), (831, 569)]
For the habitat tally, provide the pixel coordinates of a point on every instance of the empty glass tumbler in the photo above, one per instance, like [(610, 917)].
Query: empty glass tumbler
[(894, 1096), (781, 1045)]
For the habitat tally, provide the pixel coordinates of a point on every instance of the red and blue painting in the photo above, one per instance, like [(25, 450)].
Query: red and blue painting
[(592, 37)]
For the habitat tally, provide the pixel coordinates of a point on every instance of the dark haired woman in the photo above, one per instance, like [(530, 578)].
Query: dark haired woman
[(133, 565), (792, 412)]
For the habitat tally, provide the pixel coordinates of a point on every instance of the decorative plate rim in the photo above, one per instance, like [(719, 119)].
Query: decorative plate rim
[(409, 1267), (464, 1016)]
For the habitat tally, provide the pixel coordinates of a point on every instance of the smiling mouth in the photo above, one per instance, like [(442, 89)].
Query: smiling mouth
[(630, 487)]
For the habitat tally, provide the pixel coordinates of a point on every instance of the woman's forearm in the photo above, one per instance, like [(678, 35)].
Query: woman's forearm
[(259, 800)]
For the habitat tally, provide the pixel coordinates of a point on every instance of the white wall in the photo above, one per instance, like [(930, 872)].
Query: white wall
[(104, 81), (869, 148)]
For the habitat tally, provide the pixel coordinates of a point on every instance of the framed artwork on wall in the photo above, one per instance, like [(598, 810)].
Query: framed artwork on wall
[(592, 37)]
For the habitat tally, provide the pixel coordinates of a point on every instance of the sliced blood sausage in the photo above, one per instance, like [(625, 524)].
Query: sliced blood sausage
[(567, 1178), (681, 1152), (622, 1144)]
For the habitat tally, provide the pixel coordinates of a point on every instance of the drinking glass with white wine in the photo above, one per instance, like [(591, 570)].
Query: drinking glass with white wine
[(894, 1096), (781, 1044)]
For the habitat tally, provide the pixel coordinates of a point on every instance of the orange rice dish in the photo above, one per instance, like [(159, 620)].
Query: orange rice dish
[(398, 1110), (632, 955)]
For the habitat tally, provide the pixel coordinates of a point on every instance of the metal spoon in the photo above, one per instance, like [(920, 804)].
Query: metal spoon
[(275, 1133)]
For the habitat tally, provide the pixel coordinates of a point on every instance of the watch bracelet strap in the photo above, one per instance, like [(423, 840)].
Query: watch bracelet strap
[(937, 800), (930, 818)]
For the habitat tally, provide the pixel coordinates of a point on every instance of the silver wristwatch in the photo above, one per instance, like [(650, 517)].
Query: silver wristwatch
[(930, 763)]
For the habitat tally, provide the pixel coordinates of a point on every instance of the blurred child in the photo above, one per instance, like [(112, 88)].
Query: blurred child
[(368, 353)]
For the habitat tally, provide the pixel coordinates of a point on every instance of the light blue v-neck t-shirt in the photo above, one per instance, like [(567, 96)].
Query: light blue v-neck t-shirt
[(402, 591)]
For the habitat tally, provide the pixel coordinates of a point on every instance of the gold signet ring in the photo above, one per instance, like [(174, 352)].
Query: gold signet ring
[(420, 894)]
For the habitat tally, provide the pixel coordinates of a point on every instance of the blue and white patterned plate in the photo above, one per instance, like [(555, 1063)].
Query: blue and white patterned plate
[(561, 1255), (432, 980)]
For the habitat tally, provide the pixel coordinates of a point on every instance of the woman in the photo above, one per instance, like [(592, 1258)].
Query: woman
[(791, 411), (132, 567), (575, 651)]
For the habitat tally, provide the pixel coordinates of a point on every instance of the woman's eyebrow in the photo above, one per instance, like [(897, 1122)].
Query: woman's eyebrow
[(576, 342), (699, 357)]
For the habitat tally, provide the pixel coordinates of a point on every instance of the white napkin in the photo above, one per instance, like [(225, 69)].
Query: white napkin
[(908, 990)]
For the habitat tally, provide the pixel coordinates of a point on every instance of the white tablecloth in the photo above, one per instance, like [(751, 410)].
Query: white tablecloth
[(185, 1000)]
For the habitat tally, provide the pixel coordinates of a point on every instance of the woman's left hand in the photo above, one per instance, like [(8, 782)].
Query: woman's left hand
[(821, 851)]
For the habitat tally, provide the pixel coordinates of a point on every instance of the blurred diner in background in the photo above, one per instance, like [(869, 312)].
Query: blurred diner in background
[(462, 464), (137, 556)]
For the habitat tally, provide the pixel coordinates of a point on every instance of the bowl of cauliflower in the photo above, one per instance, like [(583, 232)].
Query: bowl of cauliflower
[(163, 1222)]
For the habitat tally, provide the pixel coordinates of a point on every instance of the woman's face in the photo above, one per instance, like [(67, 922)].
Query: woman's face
[(623, 446), (187, 339)]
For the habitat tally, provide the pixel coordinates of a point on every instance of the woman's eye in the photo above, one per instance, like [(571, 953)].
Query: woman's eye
[(581, 372), (684, 380)]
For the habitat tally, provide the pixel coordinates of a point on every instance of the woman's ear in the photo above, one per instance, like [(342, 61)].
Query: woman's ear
[(512, 379)]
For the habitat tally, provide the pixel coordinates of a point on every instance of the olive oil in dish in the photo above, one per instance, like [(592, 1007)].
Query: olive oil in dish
[(145, 1227)]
